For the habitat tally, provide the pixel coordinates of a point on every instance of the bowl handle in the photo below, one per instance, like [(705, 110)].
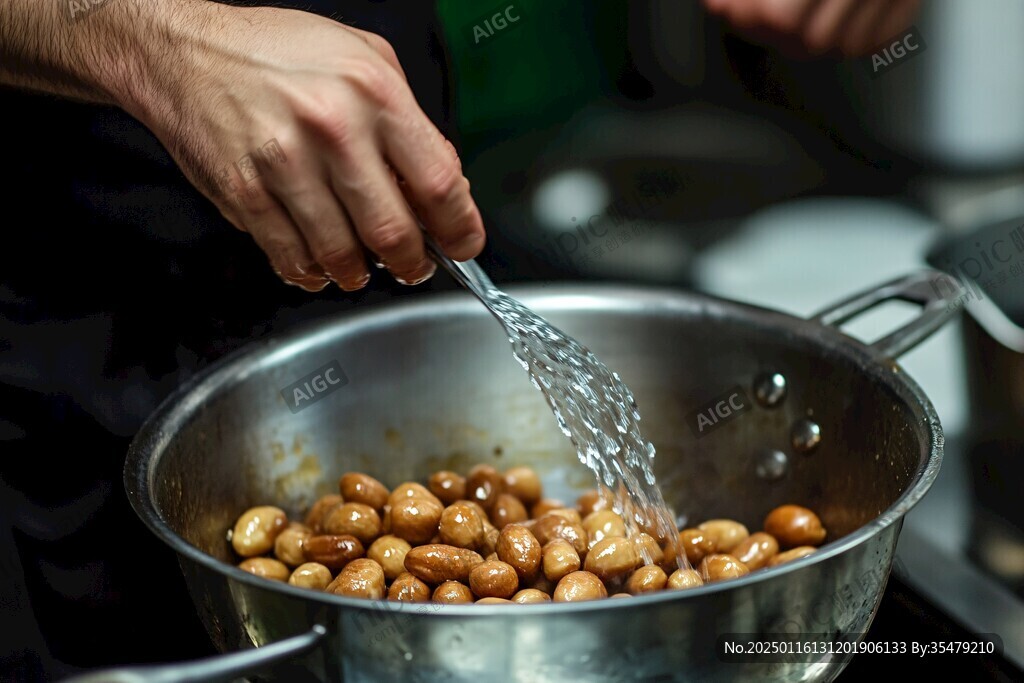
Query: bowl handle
[(226, 667), (936, 292)]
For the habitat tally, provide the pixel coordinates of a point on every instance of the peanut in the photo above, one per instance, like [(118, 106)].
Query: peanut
[(519, 548), (579, 586), (257, 529), (311, 575), (493, 579), (333, 552), (362, 578), (439, 563), (524, 484), (447, 486), (362, 488), (794, 526), (266, 567)]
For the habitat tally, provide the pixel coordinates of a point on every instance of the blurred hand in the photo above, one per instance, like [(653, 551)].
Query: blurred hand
[(851, 27), (305, 134)]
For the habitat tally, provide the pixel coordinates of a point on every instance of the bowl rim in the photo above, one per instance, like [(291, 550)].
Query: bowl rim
[(160, 427)]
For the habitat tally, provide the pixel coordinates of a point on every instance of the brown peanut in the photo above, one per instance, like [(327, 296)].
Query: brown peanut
[(461, 525), (494, 601), (288, 544), (483, 485), (389, 552), (519, 548), (452, 593), (646, 579), (552, 526), (612, 558), (622, 595), (571, 514), (649, 551), (447, 486), (757, 550), (410, 489), (593, 501), (311, 575), (257, 529), (322, 506), (685, 578), (507, 510), (530, 595), (604, 524), (266, 567), (362, 488), (416, 519), (493, 579), (579, 586), (333, 552), (524, 484), (354, 519), (407, 588), (794, 526), (439, 563), (560, 559), (719, 566), (726, 534), (362, 578), (696, 544), (790, 555), (544, 506)]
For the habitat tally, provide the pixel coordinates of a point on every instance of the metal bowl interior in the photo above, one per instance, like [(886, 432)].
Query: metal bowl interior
[(433, 385)]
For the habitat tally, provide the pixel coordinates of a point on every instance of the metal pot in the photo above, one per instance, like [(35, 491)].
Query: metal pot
[(432, 384)]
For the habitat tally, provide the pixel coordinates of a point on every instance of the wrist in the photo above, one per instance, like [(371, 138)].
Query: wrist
[(151, 50)]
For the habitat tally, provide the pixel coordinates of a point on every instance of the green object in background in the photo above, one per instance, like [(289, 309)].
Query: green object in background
[(523, 64)]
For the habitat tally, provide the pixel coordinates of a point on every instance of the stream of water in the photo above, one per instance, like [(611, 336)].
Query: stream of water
[(596, 410)]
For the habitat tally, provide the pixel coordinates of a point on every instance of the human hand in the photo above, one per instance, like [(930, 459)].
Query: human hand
[(305, 134), (851, 27)]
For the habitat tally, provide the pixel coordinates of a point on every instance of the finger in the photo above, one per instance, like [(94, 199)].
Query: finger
[(859, 37), (454, 152), (787, 16), (434, 182), (382, 217), (382, 47), (824, 26), (279, 238), (329, 235), (743, 14)]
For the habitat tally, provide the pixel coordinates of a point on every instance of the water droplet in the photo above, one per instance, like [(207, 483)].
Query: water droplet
[(408, 656), (806, 435), (772, 465), (770, 389)]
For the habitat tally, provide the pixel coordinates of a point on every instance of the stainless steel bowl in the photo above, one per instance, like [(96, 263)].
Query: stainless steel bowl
[(432, 384)]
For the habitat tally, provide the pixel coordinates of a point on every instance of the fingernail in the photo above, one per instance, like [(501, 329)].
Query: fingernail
[(431, 269), (354, 284), (314, 285)]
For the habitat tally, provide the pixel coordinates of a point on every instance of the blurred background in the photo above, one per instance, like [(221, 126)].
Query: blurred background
[(647, 142), (641, 142)]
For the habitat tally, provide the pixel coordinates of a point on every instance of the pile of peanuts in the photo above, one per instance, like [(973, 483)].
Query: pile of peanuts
[(491, 537)]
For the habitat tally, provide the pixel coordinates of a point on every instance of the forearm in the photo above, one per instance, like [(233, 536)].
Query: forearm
[(110, 52)]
